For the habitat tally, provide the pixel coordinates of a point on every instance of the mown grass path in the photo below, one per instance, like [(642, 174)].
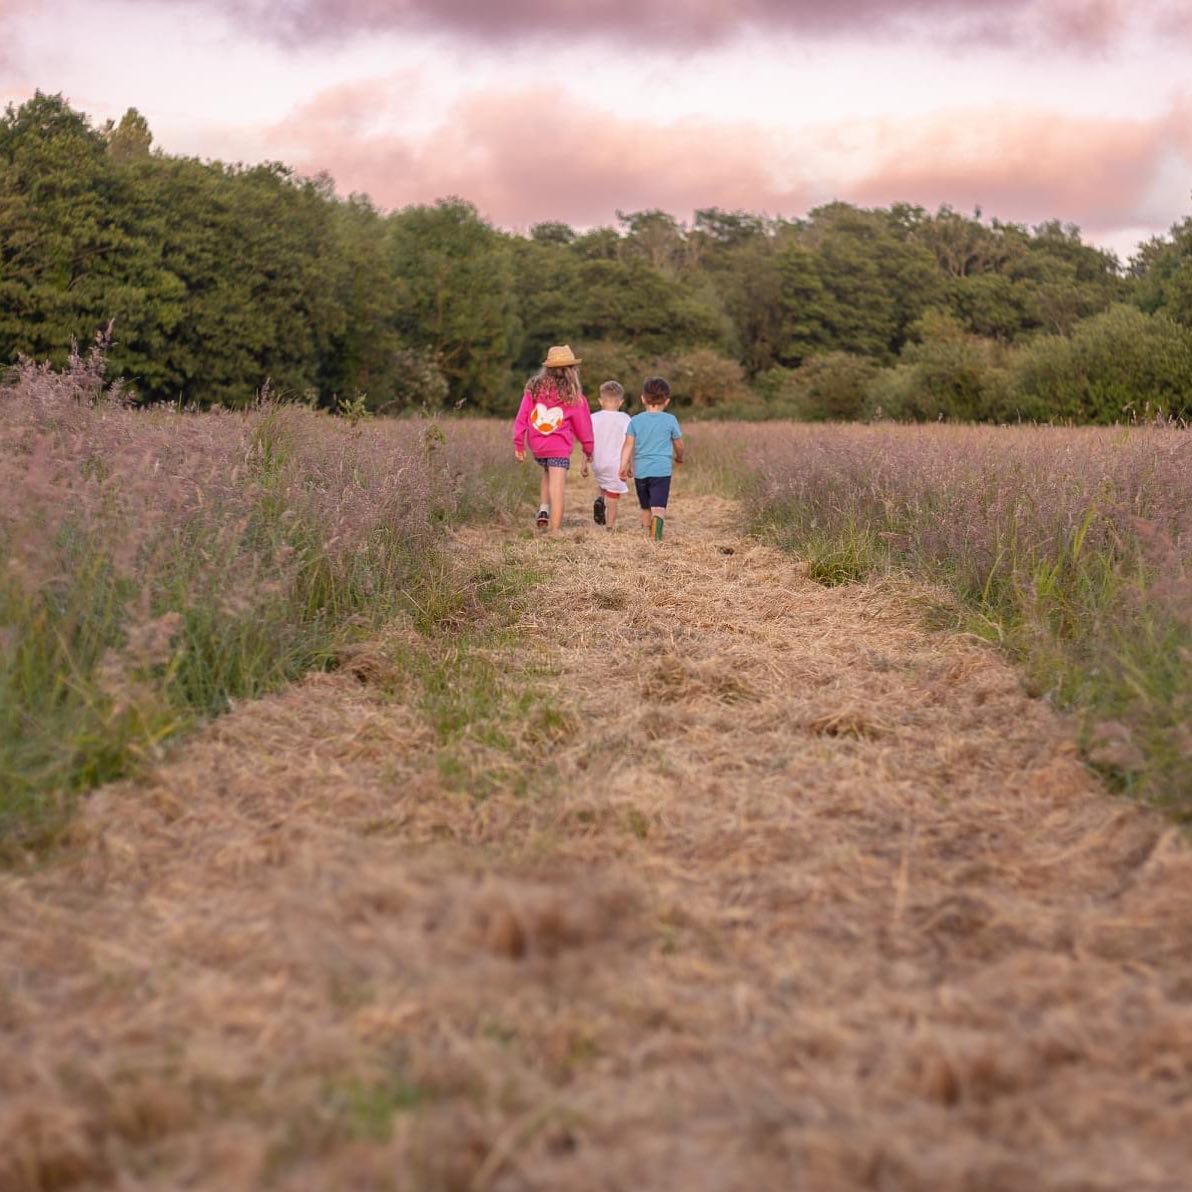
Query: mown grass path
[(635, 867)]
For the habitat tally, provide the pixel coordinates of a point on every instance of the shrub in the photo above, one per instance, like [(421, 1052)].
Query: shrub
[(778, 391), (833, 387), (894, 393), (951, 371), (706, 380), (1118, 366), (418, 384), (608, 360)]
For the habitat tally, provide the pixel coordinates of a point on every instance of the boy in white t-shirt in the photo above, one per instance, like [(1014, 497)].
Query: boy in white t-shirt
[(608, 432)]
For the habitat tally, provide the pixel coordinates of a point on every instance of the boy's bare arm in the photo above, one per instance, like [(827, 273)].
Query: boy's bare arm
[(678, 445), (626, 457)]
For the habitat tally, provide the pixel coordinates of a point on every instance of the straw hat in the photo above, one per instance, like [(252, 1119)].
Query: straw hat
[(561, 357)]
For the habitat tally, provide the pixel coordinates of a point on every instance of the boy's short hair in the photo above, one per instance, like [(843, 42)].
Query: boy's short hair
[(613, 389), (655, 391)]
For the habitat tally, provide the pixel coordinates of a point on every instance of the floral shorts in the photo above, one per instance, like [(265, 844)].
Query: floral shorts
[(554, 461)]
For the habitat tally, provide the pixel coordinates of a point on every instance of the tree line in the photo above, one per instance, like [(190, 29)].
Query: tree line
[(216, 279)]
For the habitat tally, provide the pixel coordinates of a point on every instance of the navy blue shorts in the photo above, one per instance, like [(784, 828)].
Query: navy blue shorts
[(553, 461), (652, 491)]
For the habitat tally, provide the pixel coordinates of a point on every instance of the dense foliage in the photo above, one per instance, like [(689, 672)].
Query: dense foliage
[(217, 278)]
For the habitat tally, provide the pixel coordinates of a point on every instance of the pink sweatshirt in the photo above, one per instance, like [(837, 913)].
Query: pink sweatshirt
[(552, 426)]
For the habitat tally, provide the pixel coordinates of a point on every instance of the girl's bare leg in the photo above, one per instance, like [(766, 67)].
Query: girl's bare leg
[(556, 479), (543, 489)]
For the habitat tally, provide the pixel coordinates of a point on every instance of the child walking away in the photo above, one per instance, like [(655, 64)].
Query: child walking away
[(553, 414), (608, 432), (652, 441)]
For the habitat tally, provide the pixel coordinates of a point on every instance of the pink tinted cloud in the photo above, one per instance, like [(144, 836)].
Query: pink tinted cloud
[(656, 25), (11, 13), (540, 155), (1085, 22), (1178, 125), (537, 155), (1024, 165), (671, 21)]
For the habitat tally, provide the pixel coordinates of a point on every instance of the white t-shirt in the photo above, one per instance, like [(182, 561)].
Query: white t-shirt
[(608, 431)]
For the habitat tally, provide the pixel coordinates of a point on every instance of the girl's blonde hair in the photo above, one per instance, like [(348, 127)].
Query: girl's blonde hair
[(563, 382)]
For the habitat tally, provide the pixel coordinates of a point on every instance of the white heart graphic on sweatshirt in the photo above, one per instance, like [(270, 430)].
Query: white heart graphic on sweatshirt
[(547, 419)]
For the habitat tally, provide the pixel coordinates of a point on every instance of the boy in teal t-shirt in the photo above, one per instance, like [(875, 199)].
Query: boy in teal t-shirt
[(653, 441)]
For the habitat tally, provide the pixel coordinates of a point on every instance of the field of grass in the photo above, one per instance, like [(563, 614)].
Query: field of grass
[(162, 565), (1070, 548), (494, 860), (159, 566), (609, 864)]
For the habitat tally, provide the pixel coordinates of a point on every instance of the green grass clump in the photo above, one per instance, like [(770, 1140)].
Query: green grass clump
[(846, 557), (486, 698), (365, 1110)]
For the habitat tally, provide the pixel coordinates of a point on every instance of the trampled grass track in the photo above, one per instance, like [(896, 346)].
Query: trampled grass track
[(645, 867)]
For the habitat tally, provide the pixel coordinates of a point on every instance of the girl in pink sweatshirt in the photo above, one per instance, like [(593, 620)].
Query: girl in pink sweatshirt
[(553, 414)]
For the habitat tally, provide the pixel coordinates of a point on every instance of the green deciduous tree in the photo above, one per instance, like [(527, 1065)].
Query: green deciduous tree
[(1163, 272), (64, 236), (548, 297), (454, 282), (131, 138), (361, 350), (853, 281), (213, 277), (630, 302)]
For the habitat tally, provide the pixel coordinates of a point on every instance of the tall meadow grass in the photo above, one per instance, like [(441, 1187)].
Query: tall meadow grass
[(1072, 548), (156, 565)]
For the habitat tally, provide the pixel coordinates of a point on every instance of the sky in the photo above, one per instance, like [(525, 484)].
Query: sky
[(536, 110)]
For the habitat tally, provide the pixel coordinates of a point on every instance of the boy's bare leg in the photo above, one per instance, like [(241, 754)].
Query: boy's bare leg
[(657, 518), (647, 517), (610, 511), (556, 479)]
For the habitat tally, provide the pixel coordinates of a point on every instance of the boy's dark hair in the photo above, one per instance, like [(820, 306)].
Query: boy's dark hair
[(655, 390)]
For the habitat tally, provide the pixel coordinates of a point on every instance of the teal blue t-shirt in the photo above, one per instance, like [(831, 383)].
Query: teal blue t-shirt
[(652, 436)]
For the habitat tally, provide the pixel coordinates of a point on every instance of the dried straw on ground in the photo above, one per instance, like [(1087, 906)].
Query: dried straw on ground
[(795, 894)]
